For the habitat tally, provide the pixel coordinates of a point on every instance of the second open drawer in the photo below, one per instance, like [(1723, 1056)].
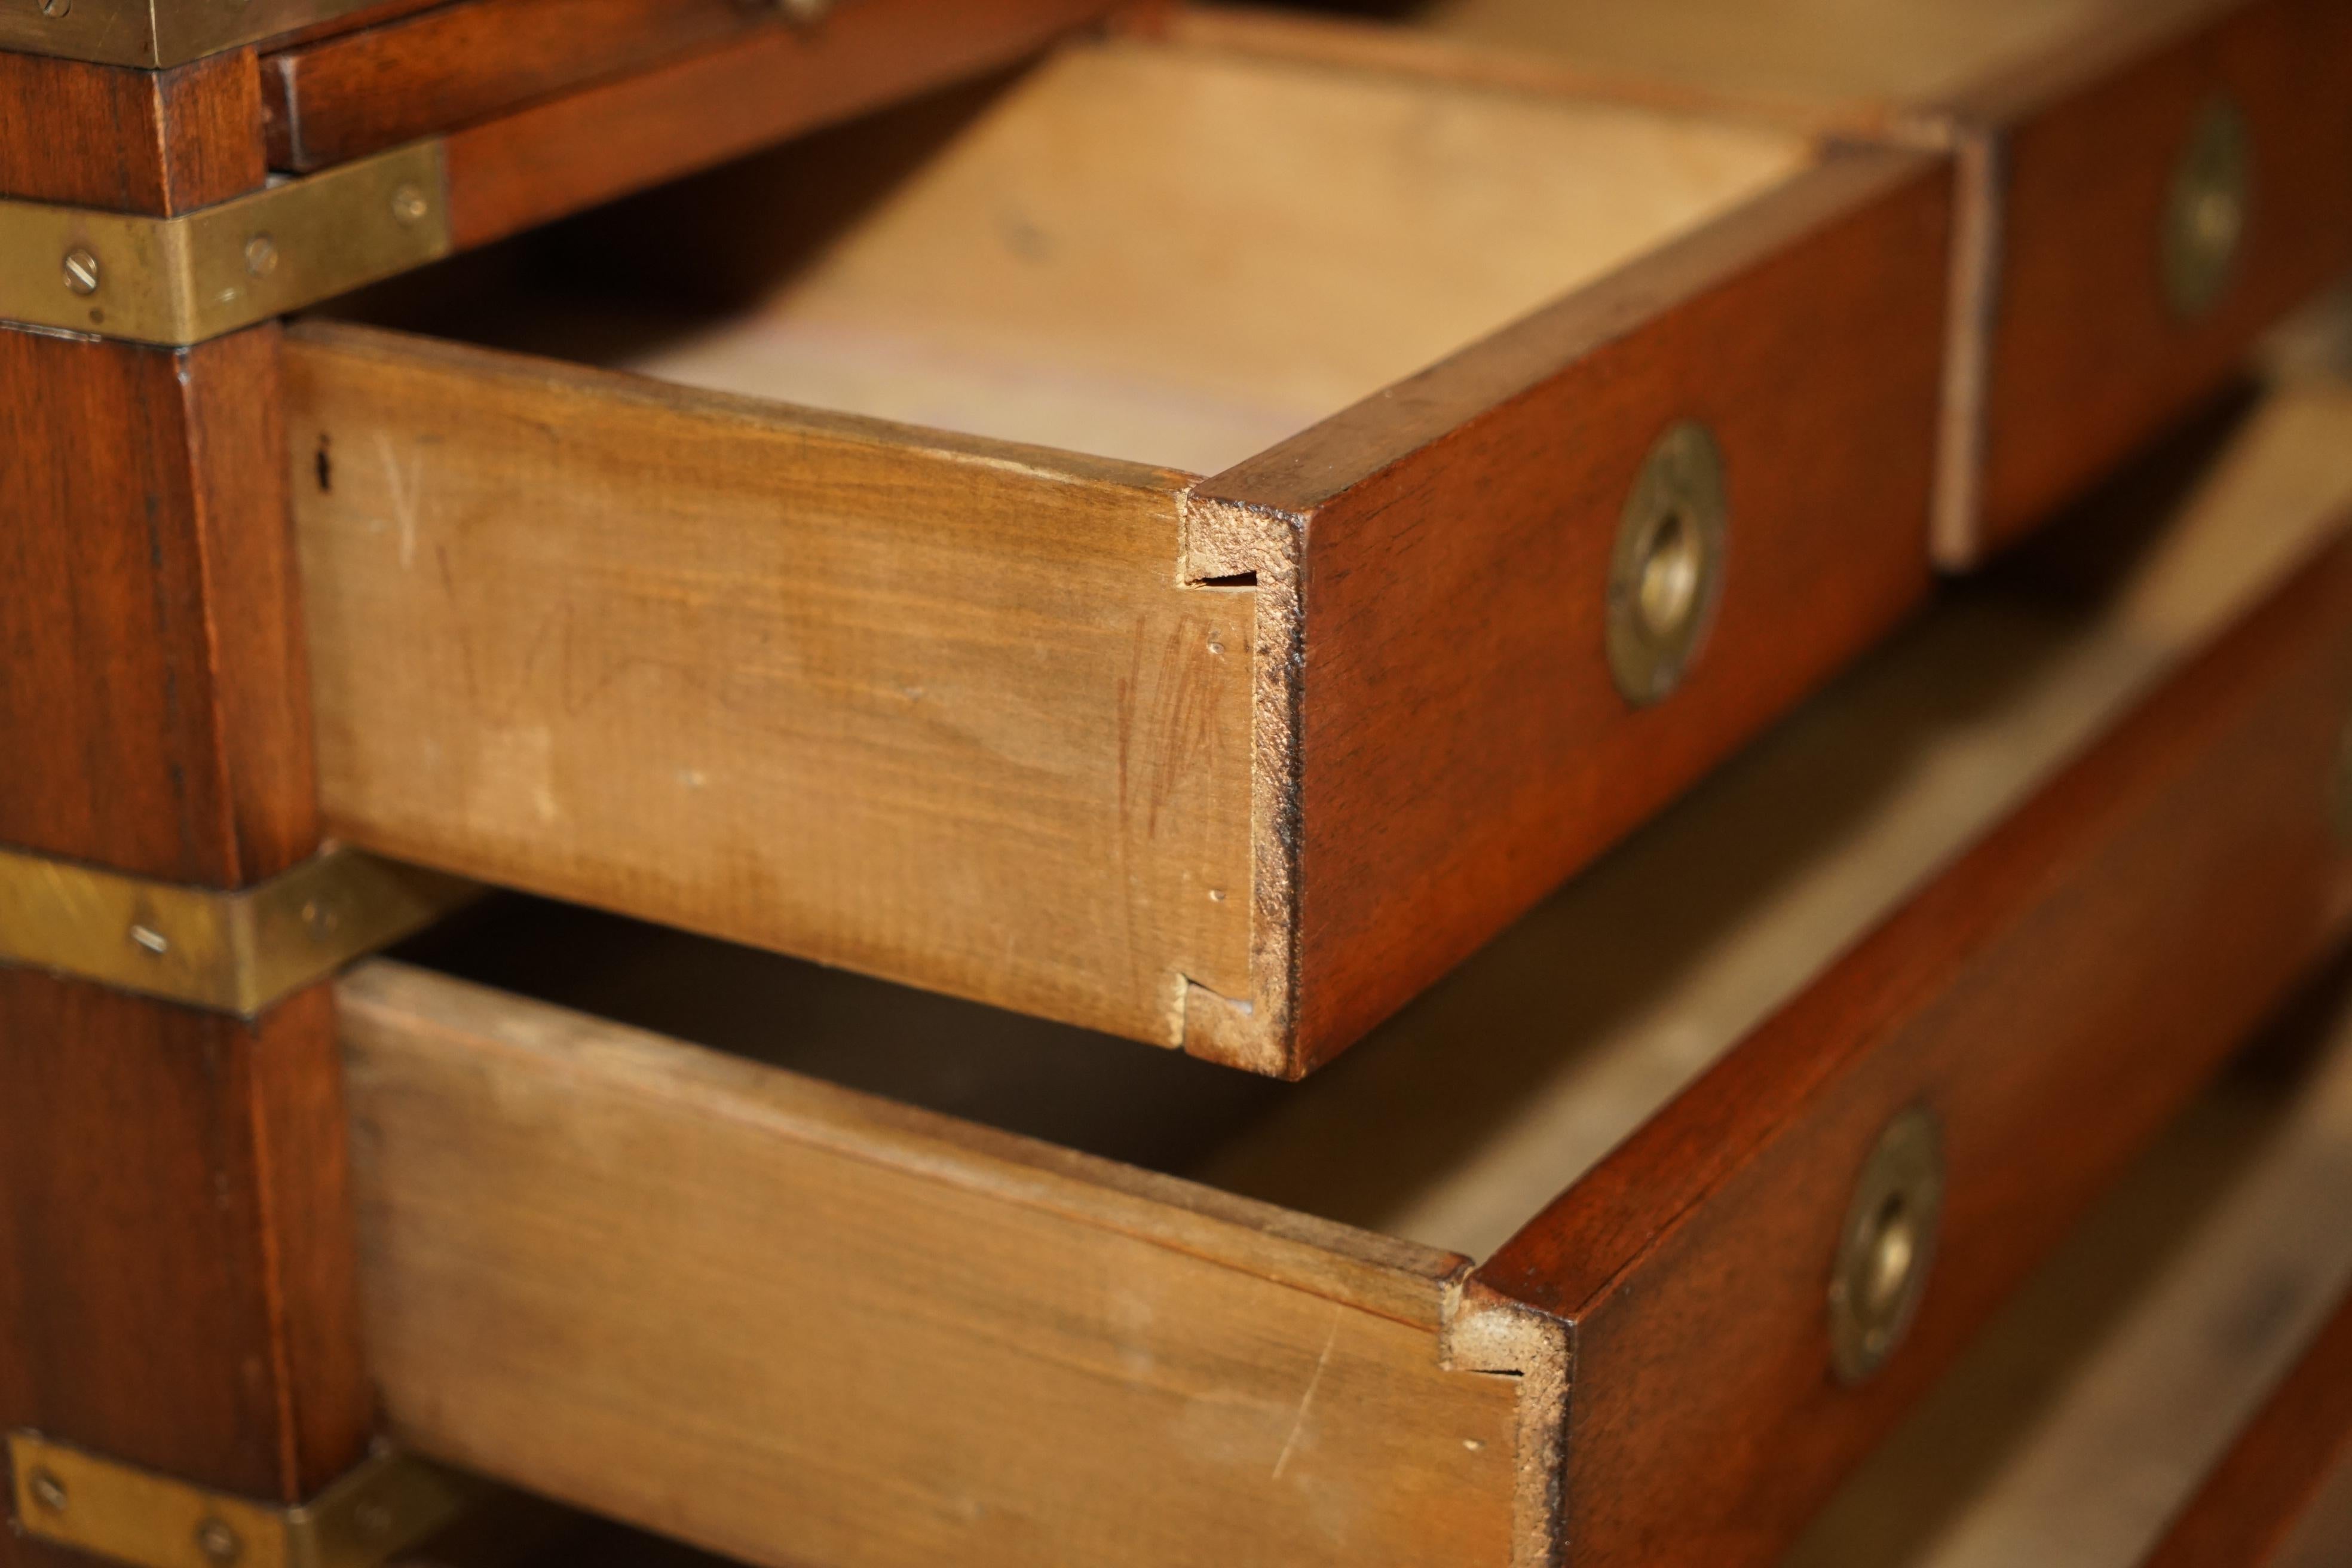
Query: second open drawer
[(1753, 1125), (1553, 448)]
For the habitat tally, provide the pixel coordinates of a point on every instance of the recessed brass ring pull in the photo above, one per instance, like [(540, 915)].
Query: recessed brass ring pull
[(1887, 1245), (1667, 572), (2209, 209)]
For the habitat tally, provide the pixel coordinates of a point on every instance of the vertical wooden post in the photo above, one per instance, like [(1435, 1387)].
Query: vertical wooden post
[(176, 1276)]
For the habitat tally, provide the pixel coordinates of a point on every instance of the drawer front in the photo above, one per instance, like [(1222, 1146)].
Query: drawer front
[(2028, 1022), (2094, 337), (2283, 1497), (1238, 764), (1437, 570)]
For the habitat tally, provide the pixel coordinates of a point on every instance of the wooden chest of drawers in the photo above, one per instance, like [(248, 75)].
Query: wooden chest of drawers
[(1401, 554)]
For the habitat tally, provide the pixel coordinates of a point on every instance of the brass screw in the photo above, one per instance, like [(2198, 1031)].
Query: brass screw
[(217, 1542), (261, 255), (55, 9), (408, 205), (82, 271), (153, 941), (47, 1490)]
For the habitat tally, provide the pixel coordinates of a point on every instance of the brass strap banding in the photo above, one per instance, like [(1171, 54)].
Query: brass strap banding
[(70, 1497), (234, 953), (180, 280)]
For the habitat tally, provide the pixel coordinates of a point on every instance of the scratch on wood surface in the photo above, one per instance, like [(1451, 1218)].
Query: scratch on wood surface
[(400, 480), (1298, 1422)]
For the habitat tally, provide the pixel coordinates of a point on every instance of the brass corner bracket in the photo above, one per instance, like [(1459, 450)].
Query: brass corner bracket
[(233, 952), (155, 35), (174, 282), (69, 1497)]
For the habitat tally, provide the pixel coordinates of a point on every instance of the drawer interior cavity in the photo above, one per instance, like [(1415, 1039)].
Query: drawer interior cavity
[(1170, 254)]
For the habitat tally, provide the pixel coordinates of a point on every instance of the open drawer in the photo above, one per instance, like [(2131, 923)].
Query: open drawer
[(2144, 185), (1553, 451), (1820, 1079), (2173, 1388)]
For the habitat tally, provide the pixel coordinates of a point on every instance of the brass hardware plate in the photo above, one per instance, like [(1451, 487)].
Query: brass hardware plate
[(1888, 1245), (1665, 575), (181, 280), (155, 35), (2208, 210), (72, 1499), (232, 952)]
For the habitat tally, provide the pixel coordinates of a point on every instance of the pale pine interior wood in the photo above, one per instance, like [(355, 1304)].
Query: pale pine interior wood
[(1172, 254), (2093, 1406), (794, 1324), (854, 685), (1456, 1121)]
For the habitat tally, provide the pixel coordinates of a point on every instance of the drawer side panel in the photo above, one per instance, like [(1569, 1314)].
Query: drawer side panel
[(942, 714), (721, 1303)]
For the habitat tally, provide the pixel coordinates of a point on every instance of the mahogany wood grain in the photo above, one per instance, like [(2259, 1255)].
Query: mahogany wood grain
[(2051, 1001), (2286, 1480), (1441, 740), (153, 694), (177, 1288), (129, 141), (177, 1284), (363, 90), (522, 170), (2086, 355)]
